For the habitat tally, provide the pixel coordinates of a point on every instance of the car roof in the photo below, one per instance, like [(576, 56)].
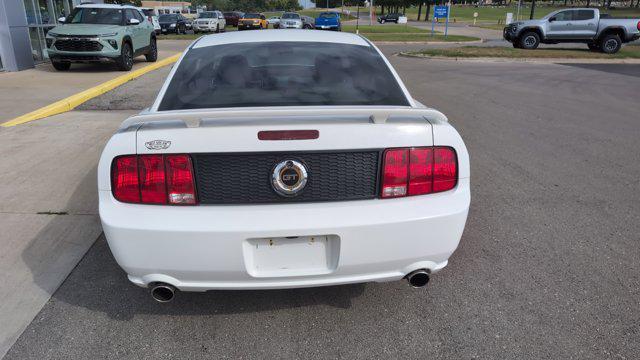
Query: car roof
[(236, 37), (107, 6)]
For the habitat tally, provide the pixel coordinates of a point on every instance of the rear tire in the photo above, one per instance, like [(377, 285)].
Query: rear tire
[(529, 40), (610, 44), (125, 60), (61, 66), (152, 55)]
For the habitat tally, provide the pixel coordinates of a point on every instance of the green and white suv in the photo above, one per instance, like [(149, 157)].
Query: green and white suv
[(102, 32)]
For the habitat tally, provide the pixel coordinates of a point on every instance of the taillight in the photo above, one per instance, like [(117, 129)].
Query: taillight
[(638, 25), (124, 177), (418, 171), (394, 173), (180, 186), (153, 179)]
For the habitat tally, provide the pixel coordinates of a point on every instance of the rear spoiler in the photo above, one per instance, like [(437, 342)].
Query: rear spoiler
[(194, 118)]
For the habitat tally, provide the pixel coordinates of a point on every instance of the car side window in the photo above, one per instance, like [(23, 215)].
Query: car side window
[(129, 15), (564, 15), (139, 16), (584, 15)]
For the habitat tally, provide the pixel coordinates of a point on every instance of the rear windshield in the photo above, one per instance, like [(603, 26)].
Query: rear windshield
[(281, 74)]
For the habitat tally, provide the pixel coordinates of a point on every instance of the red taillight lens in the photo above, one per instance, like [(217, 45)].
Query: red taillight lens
[(154, 179), (445, 169), (394, 173), (418, 171), (638, 25), (124, 178), (180, 186), (151, 175)]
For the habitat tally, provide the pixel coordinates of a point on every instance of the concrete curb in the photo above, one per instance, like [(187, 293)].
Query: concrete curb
[(525, 60), (71, 102)]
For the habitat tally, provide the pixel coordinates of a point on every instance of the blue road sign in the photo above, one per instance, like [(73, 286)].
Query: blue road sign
[(440, 12)]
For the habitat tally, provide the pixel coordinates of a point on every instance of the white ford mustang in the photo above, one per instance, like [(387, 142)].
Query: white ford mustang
[(279, 160)]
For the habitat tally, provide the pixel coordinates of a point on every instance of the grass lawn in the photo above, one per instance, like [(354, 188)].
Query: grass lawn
[(627, 52), (387, 28), (396, 33), (491, 26), (417, 37), (493, 14)]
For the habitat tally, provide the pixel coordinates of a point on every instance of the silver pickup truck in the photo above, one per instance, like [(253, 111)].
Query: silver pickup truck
[(579, 25)]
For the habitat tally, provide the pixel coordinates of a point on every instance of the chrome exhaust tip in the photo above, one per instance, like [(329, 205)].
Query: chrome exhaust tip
[(418, 278), (163, 292)]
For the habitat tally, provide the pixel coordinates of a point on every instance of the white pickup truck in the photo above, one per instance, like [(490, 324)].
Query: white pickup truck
[(578, 25), (271, 161)]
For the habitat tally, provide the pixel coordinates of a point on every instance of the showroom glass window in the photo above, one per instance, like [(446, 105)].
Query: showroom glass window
[(42, 16)]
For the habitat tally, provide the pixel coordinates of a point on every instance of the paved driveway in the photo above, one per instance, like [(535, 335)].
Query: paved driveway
[(547, 267)]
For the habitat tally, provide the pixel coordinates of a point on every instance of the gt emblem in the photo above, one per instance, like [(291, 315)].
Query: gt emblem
[(157, 144), (289, 177)]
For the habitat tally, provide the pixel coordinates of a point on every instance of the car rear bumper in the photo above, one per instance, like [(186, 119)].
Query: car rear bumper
[(202, 248)]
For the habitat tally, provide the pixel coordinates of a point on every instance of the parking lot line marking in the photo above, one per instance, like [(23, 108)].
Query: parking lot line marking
[(71, 102)]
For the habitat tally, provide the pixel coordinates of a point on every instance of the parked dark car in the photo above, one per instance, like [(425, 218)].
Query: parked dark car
[(173, 23), (389, 18), (232, 17)]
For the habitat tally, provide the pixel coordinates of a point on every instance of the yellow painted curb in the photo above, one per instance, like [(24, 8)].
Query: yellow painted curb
[(75, 100)]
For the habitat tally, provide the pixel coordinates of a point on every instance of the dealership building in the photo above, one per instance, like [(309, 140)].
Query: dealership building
[(23, 26)]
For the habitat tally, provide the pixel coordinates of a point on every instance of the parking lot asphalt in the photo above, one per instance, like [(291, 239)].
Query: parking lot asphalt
[(548, 266), (28, 90)]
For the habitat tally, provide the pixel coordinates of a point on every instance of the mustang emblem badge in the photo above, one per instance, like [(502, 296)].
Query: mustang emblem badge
[(289, 177), (157, 144)]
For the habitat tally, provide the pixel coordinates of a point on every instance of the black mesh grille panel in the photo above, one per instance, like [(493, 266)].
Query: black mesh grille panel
[(78, 45), (246, 178)]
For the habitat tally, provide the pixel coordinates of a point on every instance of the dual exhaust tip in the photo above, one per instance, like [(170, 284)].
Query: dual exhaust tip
[(164, 293), (418, 278)]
